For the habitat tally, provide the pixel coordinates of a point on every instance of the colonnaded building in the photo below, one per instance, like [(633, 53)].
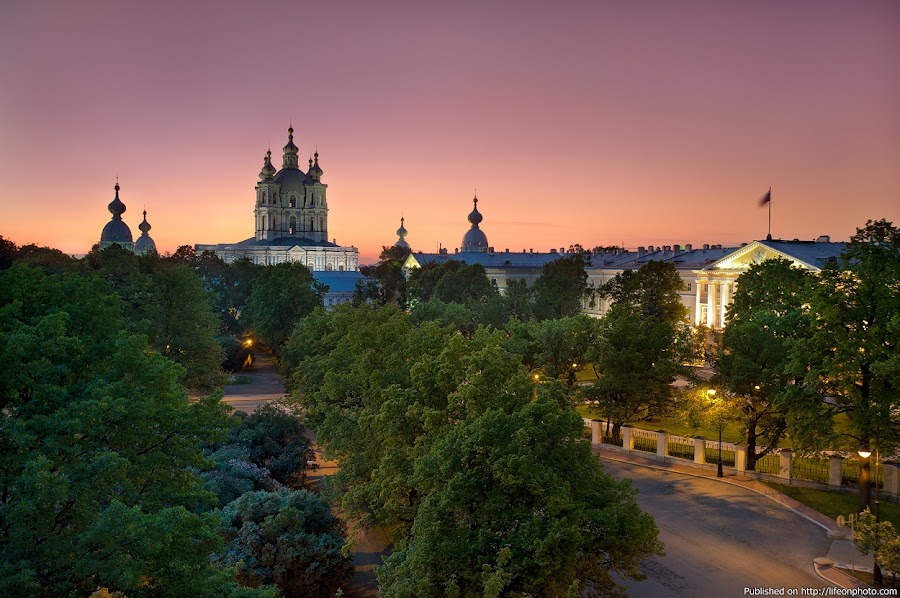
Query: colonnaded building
[(290, 219), (709, 272)]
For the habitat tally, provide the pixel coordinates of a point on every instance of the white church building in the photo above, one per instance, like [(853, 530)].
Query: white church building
[(290, 219)]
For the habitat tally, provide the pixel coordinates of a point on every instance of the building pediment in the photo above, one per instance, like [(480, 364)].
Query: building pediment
[(756, 252)]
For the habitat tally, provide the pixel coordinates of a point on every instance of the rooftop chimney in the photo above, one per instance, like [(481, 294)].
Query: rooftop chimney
[(823, 239)]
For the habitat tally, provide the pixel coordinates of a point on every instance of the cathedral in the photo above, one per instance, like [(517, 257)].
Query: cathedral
[(290, 219), (116, 232)]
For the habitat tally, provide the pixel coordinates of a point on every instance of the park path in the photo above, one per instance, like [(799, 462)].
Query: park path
[(370, 544)]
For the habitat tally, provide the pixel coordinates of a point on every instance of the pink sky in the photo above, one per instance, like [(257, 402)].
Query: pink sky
[(593, 122)]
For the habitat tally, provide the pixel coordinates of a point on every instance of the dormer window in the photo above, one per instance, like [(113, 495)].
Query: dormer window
[(292, 203)]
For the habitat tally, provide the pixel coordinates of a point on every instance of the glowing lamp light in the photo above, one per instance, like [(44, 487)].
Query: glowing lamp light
[(864, 452)]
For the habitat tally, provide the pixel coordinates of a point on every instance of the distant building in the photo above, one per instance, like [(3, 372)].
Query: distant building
[(144, 244), (341, 286), (401, 236), (290, 219), (499, 266), (709, 273), (116, 232)]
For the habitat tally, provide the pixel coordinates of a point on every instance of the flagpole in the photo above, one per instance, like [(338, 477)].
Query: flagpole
[(769, 236)]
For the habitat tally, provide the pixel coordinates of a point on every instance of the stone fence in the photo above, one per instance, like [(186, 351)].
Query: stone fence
[(834, 469)]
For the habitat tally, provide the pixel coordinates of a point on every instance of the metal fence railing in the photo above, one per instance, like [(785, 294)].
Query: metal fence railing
[(770, 464), (712, 453), (644, 440), (681, 447)]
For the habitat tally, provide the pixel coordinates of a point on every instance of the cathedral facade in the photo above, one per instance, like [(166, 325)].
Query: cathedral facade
[(290, 219)]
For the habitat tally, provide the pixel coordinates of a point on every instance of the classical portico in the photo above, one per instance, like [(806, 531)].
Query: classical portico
[(717, 282)]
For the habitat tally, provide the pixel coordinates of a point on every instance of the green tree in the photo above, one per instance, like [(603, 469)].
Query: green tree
[(644, 345), (653, 290), (183, 326), (636, 359), (517, 505), (8, 253), (517, 302), (765, 317), (52, 260), (559, 290), (844, 365), (387, 284), (100, 446), (451, 282), (287, 538), (558, 348), (275, 439), (880, 539), (282, 294)]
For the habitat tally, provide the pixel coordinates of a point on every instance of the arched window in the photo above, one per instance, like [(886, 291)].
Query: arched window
[(274, 223), (292, 225), (311, 225), (292, 203), (265, 222)]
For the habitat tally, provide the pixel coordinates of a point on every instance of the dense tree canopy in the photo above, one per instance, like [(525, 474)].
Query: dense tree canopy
[(561, 287), (644, 345), (447, 440), (554, 348), (517, 505), (282, 294), (846, 364), (387, 282), (288, 538), (99, 442)]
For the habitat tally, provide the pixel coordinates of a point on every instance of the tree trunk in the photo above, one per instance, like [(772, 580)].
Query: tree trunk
[(751, 445)]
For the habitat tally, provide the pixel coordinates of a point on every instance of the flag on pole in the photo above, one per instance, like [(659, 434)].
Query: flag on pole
[(766, 198)]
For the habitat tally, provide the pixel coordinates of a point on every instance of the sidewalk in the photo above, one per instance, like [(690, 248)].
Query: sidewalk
[(838, 555)]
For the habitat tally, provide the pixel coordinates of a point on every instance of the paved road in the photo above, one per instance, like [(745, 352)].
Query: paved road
[(720, 538), (265, 386)]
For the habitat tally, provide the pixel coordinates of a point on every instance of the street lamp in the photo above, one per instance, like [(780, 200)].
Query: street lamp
[(712, 393), (865, 453)]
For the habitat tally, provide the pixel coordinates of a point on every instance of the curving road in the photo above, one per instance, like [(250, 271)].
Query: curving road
[(720, 538)]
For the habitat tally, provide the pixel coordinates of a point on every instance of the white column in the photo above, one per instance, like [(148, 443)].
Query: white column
[(698, 284), (711, 304), (700, 450), (662, 444), (835, 471), (724, 287)]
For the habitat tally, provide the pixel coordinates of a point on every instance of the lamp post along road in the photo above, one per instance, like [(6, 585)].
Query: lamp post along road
[(865, 453), (719, 424)]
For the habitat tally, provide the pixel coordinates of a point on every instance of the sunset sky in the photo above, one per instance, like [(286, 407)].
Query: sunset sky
[(608, 122)]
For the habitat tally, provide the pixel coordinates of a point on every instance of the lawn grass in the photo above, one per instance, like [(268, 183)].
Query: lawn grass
[(833, 503)]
